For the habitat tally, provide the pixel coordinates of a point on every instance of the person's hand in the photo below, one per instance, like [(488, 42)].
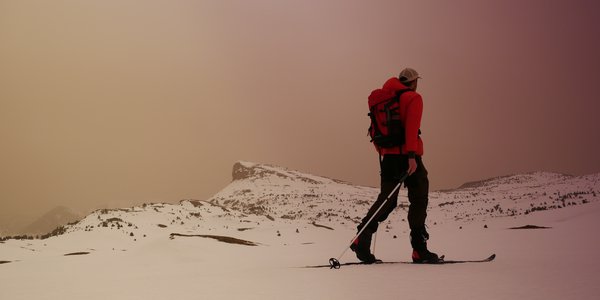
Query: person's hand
[(412, 166)]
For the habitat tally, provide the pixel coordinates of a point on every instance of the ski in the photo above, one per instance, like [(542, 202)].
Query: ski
[(488, 259), (441, 262)]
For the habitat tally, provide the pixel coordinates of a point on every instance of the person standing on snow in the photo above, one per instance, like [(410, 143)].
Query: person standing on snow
[(395, 162)]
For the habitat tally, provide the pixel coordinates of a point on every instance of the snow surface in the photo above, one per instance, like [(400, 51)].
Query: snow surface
[(301, 219)]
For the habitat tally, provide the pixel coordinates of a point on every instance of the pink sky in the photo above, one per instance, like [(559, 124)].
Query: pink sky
[(123, 102)]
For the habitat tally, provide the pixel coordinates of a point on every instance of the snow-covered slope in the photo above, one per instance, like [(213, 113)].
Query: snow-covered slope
[(275, 192), (268, 198), (517, 195), (247, 240), (285, 194)]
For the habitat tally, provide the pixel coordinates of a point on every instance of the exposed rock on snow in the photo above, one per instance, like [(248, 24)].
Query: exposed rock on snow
[(220, 238), (530, 227), (77, 253)]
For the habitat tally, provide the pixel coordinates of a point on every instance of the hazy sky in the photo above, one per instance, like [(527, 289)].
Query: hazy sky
[(114, 103)]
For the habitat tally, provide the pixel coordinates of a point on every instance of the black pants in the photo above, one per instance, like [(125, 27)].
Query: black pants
[(392, 169)]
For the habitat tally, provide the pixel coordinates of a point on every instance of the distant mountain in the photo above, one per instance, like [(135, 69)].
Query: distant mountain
[(265, 196), (517, 195), (260, 189), (259, 196), (56, 217)]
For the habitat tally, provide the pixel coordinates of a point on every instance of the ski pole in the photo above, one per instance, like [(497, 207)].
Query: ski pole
[(374, 243), (335, 262)]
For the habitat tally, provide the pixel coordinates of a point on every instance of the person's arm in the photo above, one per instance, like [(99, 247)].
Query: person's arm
[(414, 113)]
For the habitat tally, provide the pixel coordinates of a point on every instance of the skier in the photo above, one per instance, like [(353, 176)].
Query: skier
[(394, 162)]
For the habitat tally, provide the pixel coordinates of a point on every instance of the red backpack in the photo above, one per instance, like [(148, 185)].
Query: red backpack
[(386, 130)]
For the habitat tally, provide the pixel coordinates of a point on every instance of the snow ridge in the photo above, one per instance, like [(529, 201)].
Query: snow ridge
[(268, 197)]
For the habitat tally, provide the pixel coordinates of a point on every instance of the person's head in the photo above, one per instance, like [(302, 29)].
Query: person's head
[(409, 77)]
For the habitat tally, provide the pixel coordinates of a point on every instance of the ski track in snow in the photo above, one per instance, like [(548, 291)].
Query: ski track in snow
[(156, 251)]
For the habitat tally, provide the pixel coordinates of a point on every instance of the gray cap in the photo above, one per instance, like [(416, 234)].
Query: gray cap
[(408, 75)]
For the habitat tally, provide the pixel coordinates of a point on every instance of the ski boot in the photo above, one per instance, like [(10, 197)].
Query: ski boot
[(362, 247), (420, 254), (425, 257)]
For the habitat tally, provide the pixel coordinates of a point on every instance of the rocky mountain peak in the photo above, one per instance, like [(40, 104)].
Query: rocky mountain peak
[(252, 171), (243, 170)]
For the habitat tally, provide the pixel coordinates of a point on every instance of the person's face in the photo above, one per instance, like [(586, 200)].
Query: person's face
[(413, 85)]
